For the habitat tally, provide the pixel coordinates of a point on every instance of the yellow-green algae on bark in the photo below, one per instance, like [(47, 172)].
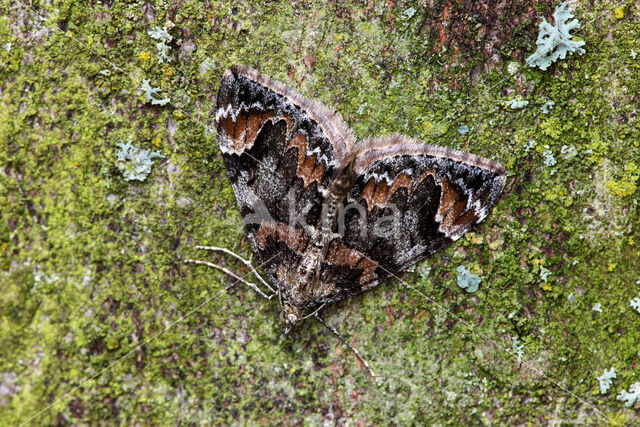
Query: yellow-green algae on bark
[(91, 266)]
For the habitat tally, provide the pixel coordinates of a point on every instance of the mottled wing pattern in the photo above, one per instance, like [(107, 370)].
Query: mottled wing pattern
[(280, 151), (409, 199), (283, 154)]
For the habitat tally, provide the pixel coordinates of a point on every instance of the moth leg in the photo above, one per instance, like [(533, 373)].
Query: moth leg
[(272, 292), (355, 351)]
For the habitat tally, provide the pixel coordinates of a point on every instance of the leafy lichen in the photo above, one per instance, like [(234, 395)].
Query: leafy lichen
[(606, 379), (150, 92), (632, 396), (135, 163), (467, 280), (163, 48), (516, 104), (554, 41)]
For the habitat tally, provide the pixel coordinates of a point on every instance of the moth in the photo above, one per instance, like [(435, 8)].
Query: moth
[(328, 218)]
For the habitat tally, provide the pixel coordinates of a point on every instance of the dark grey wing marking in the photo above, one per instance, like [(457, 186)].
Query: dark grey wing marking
[(279, 156)]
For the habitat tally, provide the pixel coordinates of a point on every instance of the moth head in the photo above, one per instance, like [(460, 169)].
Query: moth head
[(290, 321)]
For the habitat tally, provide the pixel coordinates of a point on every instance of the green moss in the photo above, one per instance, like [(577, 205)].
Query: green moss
[(92, 267), (626, 186)]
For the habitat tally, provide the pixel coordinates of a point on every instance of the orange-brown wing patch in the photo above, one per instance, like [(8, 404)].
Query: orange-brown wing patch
[(309, 172), (294, 238), (266, 229), (448, 198), (454, 221), (403, 180), (466, 220), (379, 195), (375, 195), (254, 124), (242, 131), (340, 254), (300, 142), (287, 118), (307, 168), (227, 126), (367, 192), (454, 213)]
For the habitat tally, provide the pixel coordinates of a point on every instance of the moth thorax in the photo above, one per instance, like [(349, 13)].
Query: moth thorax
[(329, 213), (306, 269)]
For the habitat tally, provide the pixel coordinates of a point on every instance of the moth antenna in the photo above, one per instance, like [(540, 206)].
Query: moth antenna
[(241, 259), (232, 274), (355, 351)]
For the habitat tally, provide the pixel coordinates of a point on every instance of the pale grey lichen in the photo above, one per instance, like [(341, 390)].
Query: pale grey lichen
[(635, 303), (160, 34), (133, 162), (466, 280), (544, 273), (549, 160), (517, 347), (150, 92), (554, 41), (163, 53), (516, 104), (605, 380), (548, 106), (423, 270), (569, 152), (163, 37), (531, 144), (631, 396), (410, 12)]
